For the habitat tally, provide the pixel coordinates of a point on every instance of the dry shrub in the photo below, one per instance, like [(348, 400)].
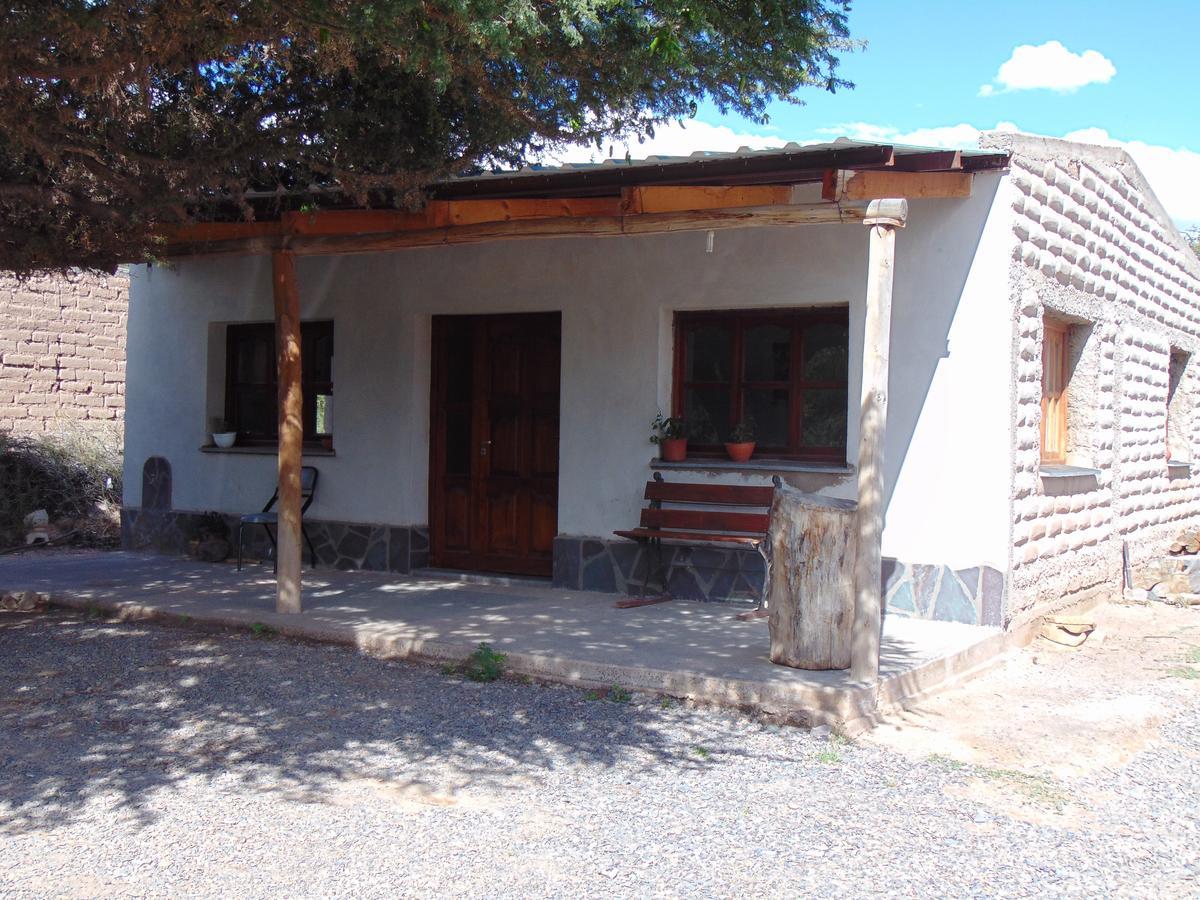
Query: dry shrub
[(75, 476)]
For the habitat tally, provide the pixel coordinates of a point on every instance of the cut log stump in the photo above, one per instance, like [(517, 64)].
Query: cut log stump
[(811, 587)]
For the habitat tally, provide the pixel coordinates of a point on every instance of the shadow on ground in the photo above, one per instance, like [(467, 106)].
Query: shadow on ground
[(93, 711)]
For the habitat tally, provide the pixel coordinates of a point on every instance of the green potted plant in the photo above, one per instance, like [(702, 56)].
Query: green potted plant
[(668, 432), (223, 434), (740, 445)]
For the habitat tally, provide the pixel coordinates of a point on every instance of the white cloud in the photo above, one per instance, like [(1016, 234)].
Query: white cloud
[(671, 139), (1174, 173), (1049, 66), (956, 136)]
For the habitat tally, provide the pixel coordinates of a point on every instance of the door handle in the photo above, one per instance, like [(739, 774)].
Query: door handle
[(483, 448)]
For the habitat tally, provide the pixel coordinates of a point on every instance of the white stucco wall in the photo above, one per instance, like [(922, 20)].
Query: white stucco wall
[(947, 453)]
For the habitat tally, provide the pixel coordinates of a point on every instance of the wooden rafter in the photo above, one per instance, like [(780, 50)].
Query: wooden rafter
[(374, 231)]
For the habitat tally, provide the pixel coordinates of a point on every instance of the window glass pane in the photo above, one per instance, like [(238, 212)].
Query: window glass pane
[(324, 414), (767, 354), (706, 414), (824, 422), (254, 411), (767, 409), (709, 353), (825, 350), (255, 359), (318, 353)]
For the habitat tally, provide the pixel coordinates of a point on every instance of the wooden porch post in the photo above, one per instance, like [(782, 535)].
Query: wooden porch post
[(883, 218), (291, 431)]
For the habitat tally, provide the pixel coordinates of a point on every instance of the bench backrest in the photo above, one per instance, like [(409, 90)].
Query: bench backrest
[(752, 517)]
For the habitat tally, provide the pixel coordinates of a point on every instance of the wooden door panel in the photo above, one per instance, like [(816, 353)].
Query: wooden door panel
[(457, 516), (505, 449), (543, 527), (494, 453)]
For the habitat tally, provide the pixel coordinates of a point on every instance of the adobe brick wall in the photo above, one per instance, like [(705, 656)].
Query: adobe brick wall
[(62, 351), (1091, 246)]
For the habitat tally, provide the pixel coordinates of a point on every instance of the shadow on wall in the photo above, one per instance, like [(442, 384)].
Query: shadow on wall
[(920, 340)]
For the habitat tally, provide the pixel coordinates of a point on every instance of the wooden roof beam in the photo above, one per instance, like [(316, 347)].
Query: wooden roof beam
[(574, 226), (877, 184)]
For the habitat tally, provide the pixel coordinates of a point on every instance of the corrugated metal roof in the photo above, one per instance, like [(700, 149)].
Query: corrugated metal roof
[(790, 163)]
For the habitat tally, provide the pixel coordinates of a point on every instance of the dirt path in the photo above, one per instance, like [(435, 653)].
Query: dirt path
[(1048, 718)]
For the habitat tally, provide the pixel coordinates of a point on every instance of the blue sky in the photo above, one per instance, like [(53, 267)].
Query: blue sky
[(937, 73)]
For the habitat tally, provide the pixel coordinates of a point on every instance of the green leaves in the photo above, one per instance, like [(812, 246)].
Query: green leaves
[(119, 119)]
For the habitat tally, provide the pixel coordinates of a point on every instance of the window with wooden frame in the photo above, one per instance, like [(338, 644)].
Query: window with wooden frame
[(784, 371), (1054, 390), (252, 389)]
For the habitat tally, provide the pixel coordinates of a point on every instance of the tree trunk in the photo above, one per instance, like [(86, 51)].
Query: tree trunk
[(291, 433), (811, 593)]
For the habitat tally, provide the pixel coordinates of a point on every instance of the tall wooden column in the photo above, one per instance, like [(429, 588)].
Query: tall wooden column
[(291, 432), (883, 218)]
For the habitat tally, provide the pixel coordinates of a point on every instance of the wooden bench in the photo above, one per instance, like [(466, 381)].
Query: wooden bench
[(741, 518)]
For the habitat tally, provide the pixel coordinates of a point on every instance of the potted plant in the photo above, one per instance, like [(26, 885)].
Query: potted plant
[(740, 445), (223, 434), (668, 432)]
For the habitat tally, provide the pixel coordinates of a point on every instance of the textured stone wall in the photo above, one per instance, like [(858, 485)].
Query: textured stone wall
[(1092, 247), (62, 351)]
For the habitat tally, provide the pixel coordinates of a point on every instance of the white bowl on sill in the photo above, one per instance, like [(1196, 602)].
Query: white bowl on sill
[(224, 439)]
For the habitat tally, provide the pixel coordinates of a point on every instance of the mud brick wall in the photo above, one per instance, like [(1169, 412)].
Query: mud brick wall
[(1091, 248), (62, 351)]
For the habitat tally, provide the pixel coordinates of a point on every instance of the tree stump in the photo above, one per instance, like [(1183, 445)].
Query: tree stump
[(811, 586)]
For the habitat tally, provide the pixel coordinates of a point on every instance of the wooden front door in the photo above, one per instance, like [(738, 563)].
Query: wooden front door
[(493, 500)]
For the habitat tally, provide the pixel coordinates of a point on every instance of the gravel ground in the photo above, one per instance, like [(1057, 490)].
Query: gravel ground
[(148, 760)]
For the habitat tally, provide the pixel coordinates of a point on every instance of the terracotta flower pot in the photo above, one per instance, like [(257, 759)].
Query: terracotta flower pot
[(740, 452), (674, 449)]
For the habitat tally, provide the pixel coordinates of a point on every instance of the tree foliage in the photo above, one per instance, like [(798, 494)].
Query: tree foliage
[(120, 118)]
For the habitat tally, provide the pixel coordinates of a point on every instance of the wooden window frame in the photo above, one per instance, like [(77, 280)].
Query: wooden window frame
[(794, 318), (1055, 421), (310, 332)]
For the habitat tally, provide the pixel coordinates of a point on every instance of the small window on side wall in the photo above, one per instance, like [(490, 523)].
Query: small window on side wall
[(252, 389), (1179, 409), (783, 371), (1055, 378)]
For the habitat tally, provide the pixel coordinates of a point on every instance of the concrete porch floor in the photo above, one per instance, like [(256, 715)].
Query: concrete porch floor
[(686, 649)]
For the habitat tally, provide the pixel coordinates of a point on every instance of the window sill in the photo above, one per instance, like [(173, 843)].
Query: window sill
[(751, 466), (263, 451), (1058, 470)]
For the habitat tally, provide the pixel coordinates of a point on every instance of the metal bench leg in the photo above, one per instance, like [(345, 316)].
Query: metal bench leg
[(240, 526), (662, 567), (312, 554), (274, 549)]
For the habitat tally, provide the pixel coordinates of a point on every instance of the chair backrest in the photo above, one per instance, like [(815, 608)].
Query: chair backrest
[(308, 489)]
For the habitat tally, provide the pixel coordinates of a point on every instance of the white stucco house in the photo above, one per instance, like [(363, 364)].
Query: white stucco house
[(491, 396)]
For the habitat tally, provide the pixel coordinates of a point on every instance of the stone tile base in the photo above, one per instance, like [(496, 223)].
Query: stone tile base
[(338, 545), (692, 573), (974, 595)]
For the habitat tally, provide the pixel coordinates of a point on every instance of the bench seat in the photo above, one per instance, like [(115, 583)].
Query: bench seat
[(690, 537), (698, 514)]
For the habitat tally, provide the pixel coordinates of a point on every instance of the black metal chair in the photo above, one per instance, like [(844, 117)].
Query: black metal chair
[(267, 518)]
